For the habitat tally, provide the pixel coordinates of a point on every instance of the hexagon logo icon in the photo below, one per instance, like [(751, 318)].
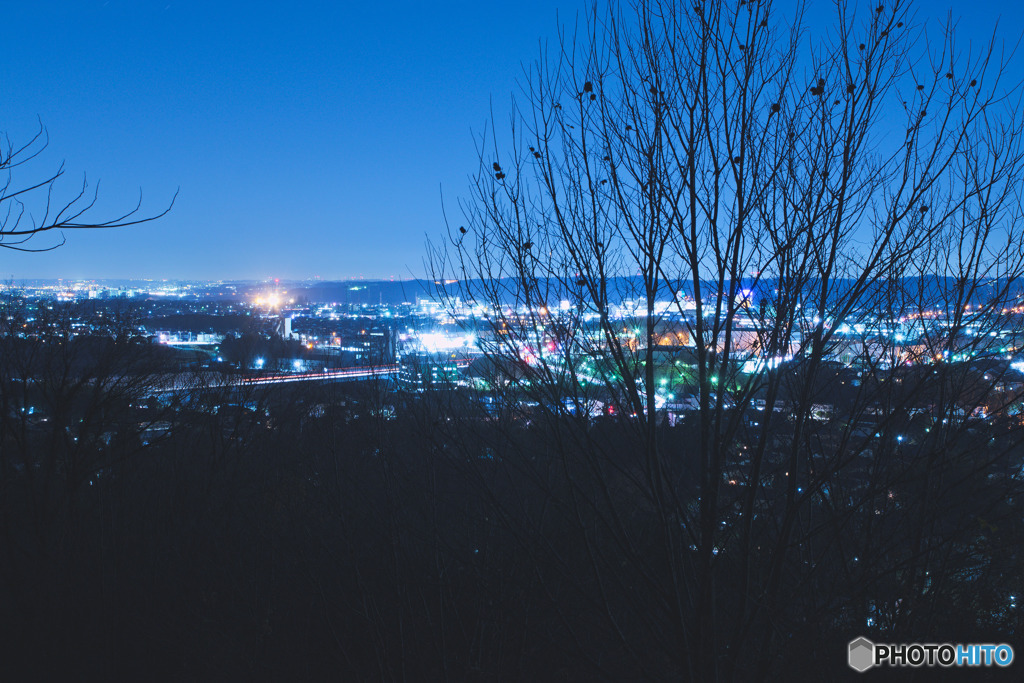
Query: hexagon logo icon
[(861, 654)]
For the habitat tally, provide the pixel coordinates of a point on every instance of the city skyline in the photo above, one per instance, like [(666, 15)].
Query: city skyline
[(703, 362)]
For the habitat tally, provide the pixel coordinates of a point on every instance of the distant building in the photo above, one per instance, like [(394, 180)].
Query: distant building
[(423, 371)]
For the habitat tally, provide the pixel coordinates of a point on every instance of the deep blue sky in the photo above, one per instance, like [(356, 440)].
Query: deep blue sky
[(307, 138)]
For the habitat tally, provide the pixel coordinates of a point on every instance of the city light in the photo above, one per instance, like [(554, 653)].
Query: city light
[(437, 342)]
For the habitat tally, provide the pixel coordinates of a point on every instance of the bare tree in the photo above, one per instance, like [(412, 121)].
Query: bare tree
[(30, 208), (818, 234)]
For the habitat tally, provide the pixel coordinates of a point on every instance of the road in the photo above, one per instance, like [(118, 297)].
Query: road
[(188, 382)]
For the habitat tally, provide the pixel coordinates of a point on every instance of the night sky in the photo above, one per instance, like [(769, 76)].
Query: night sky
[(307, 139)]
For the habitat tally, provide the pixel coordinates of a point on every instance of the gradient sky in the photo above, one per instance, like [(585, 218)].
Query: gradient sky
[(307, 138)]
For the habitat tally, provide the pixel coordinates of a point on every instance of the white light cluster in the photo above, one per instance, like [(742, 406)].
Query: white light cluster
[(436, 342)]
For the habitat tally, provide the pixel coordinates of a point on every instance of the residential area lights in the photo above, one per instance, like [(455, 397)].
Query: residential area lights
[(324, 334)]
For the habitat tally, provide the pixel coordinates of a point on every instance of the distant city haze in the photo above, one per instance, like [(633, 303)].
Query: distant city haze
[(306, 140)]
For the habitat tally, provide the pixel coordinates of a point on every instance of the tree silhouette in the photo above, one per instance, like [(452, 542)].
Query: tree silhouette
[(832, 219), (33, 207)]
